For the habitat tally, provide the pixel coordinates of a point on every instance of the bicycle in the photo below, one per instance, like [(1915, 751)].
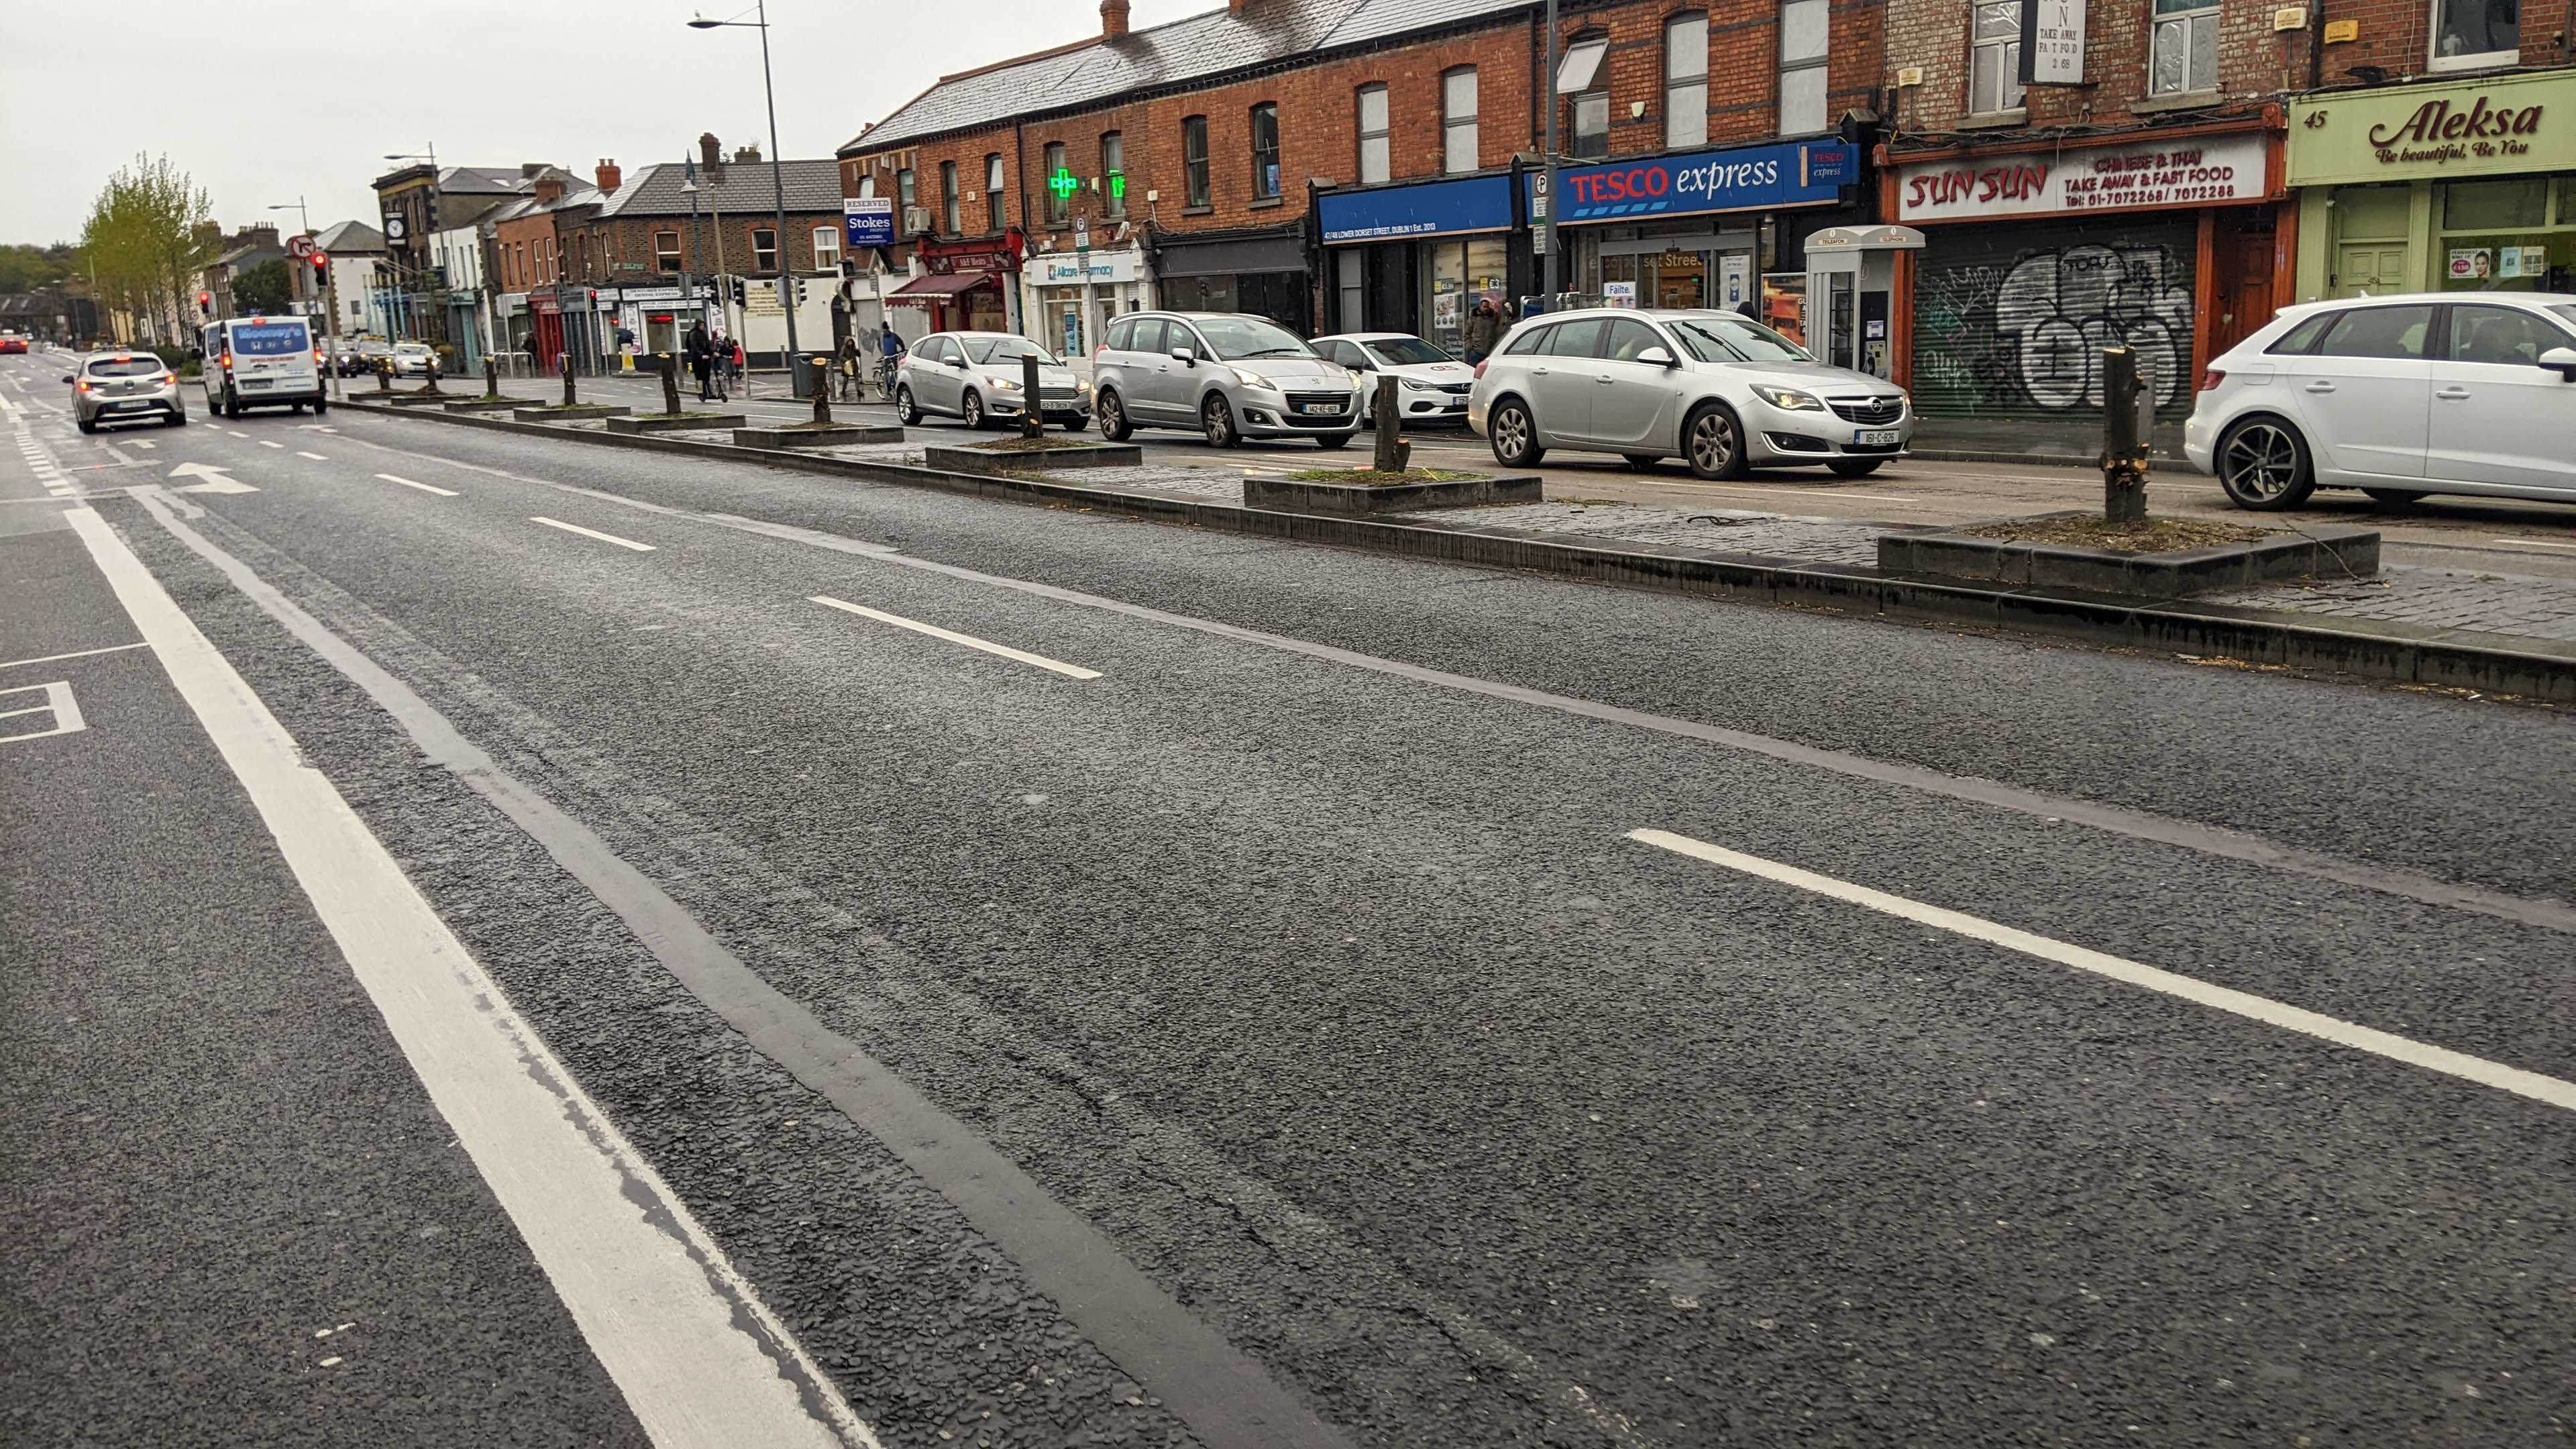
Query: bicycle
[(885, 376)]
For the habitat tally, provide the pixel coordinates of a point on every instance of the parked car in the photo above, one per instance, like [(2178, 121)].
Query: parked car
[(1722, 391), (113, 387), (977, 376), (2398, 396), (1431, 384), (414, 359), (1230, 375)]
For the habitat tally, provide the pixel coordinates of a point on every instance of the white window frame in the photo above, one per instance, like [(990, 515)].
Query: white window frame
[(769, 266), (2479, 60), (1458, 135), (2181, 25), (827, 248), (1376, 156), (673, 260), (1686, 80), (1994, 53), (1796, 69)]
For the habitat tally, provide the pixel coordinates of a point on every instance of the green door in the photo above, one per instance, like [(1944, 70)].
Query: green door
[(2374, 267)]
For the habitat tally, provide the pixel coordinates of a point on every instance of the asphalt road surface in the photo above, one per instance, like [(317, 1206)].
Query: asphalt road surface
[(1030, 977)]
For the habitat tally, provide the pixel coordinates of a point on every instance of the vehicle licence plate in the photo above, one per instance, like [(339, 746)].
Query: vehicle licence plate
[(1875, 437), (1319, 407)]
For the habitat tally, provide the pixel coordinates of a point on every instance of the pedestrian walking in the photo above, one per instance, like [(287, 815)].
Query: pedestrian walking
[(1484, 329), (846, 362), (699, 352)]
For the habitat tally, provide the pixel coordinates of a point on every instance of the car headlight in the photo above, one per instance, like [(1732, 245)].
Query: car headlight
[(1005, 384), (1082, 384), (1788, 399), (1248, 378)]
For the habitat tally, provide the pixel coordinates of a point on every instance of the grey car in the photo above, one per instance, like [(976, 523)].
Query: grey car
[(115, 387), (1228, 375), (977, 376)]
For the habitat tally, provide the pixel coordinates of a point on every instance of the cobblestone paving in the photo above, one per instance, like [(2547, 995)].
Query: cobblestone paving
[(2442, 598), (1214, 485), (1720, 530)]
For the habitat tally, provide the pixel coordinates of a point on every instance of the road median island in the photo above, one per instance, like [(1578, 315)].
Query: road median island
[(2392, 650)]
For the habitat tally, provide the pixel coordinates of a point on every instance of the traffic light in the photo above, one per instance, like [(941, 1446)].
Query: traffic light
[(206, 303), (800, 291), (321, 268), (739, 295)]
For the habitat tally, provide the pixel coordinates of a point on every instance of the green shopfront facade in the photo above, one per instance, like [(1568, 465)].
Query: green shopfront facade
[(2461, 186)]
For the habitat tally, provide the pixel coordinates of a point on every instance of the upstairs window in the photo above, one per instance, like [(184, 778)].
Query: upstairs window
[(1685, 81), (666, 251), (2184, 54), (1194, 158), (951, 217), (1994, 58), (1803, 35), (994, 220), (1579, 77), (1059, 201), (1376, 164), (1113, 173), (764, 249), (1265, 151), (1458, 120), (2468, 34), (827, 248)]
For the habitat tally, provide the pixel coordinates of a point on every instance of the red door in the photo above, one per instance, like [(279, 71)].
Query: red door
[(2242, 257)]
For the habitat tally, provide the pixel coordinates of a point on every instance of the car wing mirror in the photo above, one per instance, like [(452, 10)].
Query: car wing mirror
[(1660, 357), (1185, 357), (2563, 359), (68, 377), (957, 362)]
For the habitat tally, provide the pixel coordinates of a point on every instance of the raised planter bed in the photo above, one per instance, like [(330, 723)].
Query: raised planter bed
[(673, 422), (2333, 551), (993, 460), (489, 405), (806, 435), (558, 413), (420, 399), (1359, 495)]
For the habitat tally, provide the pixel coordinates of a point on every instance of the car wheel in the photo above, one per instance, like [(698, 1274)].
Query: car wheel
[(1513, 435), (1642, 461), (1854, 467), (2393, 497), (1112, 417), (321, 406), (232, 403), (1331, 441), (2262, 464), (295, 407), (85, 425), (906, 410), (1217, 421), (972, 410), (175, 420), (1713, 443)]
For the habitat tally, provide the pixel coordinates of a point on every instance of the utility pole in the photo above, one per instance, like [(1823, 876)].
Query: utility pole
[(777, 173), (1547, 223)]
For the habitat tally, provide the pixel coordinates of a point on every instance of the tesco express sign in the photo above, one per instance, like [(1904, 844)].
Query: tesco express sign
[(1748, 179)]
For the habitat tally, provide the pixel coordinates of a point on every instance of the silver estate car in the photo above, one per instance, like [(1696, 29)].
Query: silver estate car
[(976, 376), (113, 387), (1230, 375), (1722, 391)]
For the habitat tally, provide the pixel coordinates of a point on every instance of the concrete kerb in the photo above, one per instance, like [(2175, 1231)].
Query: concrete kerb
[(2374, 649)]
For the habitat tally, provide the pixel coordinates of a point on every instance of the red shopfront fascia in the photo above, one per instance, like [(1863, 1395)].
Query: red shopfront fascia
[(952, 269), (2208, 168)]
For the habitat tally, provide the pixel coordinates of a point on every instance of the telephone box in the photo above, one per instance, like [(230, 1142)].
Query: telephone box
[(1851, 293)]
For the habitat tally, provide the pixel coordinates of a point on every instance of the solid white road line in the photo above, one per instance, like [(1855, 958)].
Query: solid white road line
[(316, 457), (590, 533), (1070, 671), (423, 487), (1792, 492), (75, 654), (2551, 1090), (2534, 543), (695, 1353)]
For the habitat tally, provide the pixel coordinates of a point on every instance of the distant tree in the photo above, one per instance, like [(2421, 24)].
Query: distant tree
[(264, 288), (25, 268), (149, 232)]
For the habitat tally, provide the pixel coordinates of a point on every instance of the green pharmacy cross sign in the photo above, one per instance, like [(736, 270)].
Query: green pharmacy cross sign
[(1064, 184)]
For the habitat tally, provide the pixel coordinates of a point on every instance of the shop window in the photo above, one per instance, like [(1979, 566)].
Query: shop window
[(950, 219), (764, 249), (1804, 32), (1458, 120), (1374, 161), (1579, 77), (1994, 59), (1113, 173), (1059, 201), (2522, 201), (994, 219), (1686, 81), (1265, 151), (2471, 33), (666, 251), (827, 248), (2185, 50), (1194, 158), (1350, 272)]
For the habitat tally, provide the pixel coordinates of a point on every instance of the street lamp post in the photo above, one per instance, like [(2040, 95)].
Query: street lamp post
[(777, 170)]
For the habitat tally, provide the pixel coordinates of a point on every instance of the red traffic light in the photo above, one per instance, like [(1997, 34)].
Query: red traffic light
[(205, 301), (321, 261)]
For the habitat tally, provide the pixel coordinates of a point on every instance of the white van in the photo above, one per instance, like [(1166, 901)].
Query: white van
[(262, 362)]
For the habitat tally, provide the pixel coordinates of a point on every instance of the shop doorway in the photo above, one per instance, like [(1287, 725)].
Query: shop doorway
[(2374, 267), (2243, 260)]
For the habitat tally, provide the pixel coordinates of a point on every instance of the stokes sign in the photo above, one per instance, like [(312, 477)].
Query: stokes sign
[(2202, 172)]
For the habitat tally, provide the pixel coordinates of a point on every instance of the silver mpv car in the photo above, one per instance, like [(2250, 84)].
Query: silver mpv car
[(1230, 375), (1722, 391)]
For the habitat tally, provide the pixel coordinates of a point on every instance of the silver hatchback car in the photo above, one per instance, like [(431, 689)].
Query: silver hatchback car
[(1722, 391), (115, 387), (1230, 375), (977, 376)]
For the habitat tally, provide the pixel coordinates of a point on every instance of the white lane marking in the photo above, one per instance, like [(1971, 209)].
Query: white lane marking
[(144, 443), (2534, 543), (237, 435), (1070, 671), (2551, 1090), (265, 443), (592, 533), (423, 487), (216, 478), (316, 457), (693, 1349), (75, 654), (59, 705)]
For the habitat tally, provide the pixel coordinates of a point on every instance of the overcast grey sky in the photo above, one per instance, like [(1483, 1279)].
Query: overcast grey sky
[(263, 101)]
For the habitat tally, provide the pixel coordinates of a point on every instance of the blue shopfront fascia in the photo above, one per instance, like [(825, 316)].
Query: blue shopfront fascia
[(1747, 178), (1453, 206)]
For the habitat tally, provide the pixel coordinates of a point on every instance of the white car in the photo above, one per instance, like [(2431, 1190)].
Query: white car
[(1431, 385), (976, 376), (2398, 396), (1722, 391)]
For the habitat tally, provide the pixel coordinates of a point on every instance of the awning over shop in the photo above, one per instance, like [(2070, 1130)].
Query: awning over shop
[(938, 287)]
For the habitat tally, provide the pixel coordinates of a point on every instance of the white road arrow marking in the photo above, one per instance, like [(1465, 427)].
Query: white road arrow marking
[(215, 482)]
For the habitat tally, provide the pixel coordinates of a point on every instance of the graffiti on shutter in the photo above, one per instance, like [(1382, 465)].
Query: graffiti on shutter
[(2010, 321)]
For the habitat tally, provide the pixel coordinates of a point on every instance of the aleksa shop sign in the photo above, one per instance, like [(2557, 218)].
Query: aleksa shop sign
[(1751, 178), (2201, 172)]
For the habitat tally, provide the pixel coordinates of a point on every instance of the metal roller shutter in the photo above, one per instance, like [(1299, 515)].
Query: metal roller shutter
[(2010, 320)]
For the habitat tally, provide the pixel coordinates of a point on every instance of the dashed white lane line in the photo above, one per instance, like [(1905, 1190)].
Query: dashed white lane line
[(423, 487), (699, 1357), (75, 654), (2533, 543), (265, 443), (237, 434), (586, 532), (145, 443), (316, 457), (2550, 1090), (1069, 671)]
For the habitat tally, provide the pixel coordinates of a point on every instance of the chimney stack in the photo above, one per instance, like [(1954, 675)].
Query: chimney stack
[(747, 155), (1238, 6), (550, 189), (1113, 19), (607, 175)]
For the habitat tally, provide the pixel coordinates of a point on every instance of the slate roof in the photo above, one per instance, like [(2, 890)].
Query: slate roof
[(482, 179), (655, 190), (353, 237), (1196, 48)]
